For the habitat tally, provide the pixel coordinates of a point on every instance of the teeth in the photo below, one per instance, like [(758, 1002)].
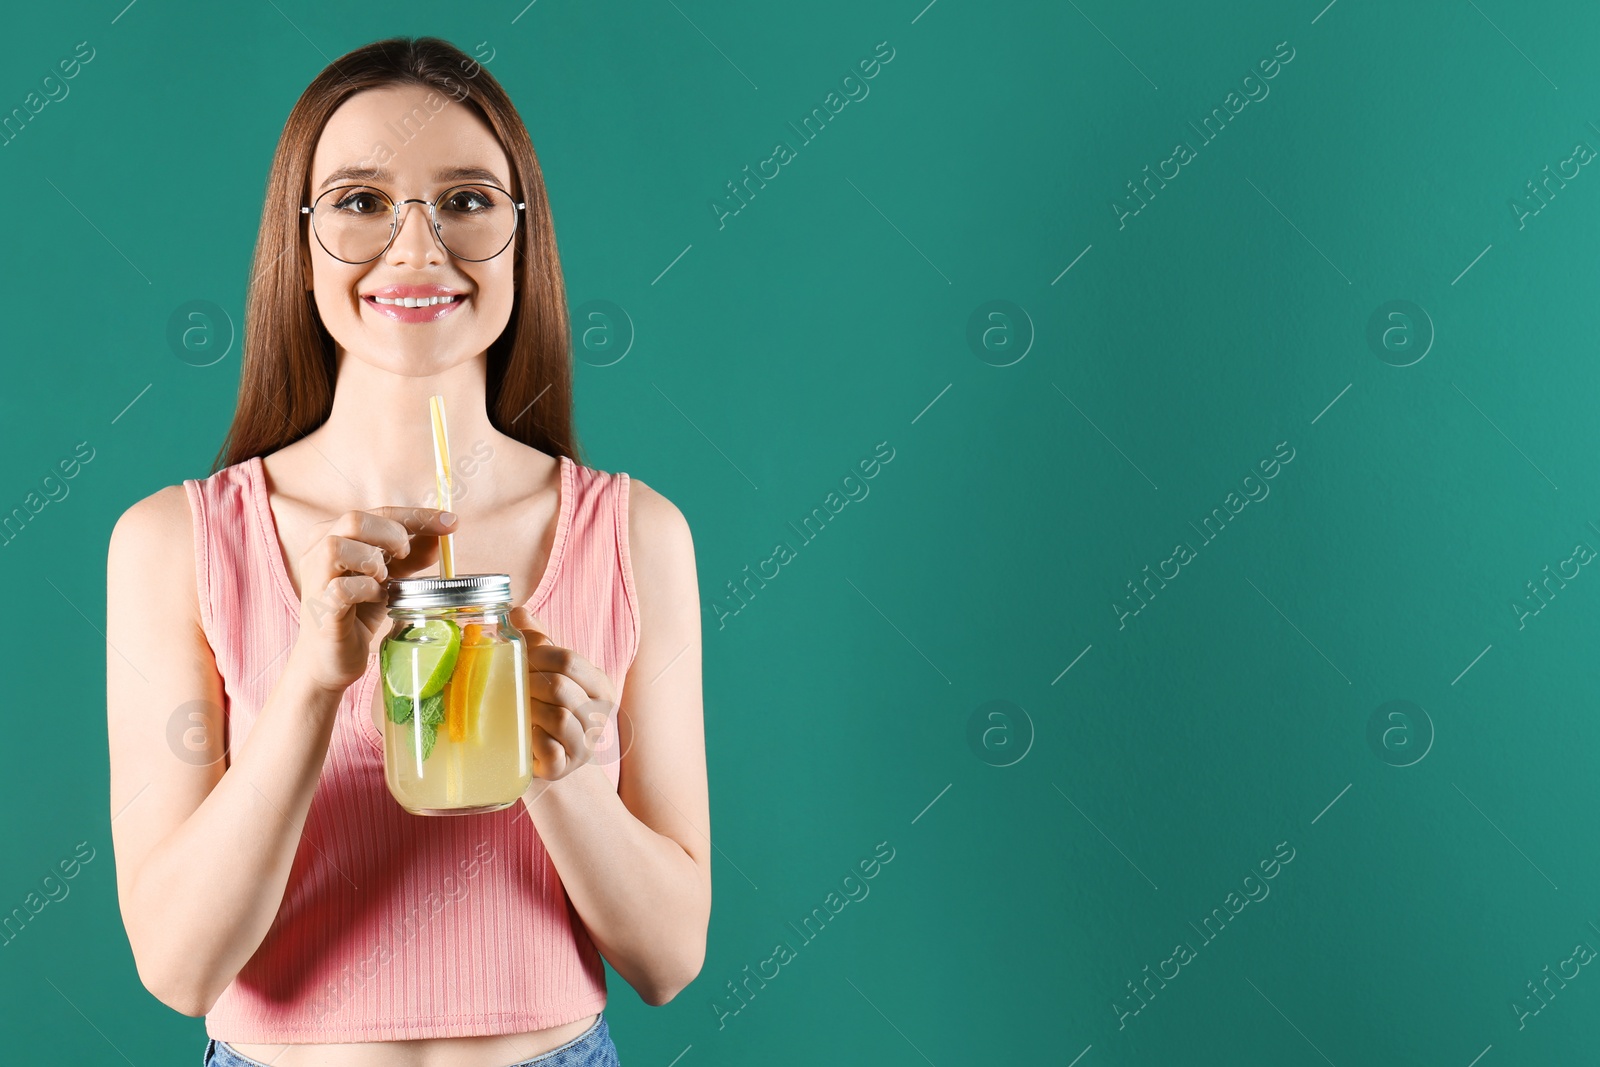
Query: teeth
[(414, 301)]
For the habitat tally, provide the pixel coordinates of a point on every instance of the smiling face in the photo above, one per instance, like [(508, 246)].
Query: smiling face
[(449, 144)]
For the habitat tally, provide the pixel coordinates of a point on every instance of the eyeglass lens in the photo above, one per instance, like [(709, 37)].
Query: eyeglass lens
[(355, 223)]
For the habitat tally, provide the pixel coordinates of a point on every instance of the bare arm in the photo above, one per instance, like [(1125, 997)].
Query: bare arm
[(636, 860), (203, 850), (204, 846)]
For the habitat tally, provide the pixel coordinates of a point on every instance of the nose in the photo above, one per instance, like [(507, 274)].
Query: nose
[(416, 243)]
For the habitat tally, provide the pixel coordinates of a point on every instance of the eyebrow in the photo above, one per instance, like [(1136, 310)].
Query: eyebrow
[(378, 174)]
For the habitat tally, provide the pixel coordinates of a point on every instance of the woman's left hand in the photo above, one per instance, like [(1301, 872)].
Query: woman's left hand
[(570, 701)]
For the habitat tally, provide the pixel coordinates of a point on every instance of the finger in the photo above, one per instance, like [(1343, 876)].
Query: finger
[(374, 615), (400, 531), (533, 630), (564, 662), (339, 595), (417, 520), (374, 529), (344, 555), (549, 758), (594, 717), (554, 687), (534, 636), (560, 724), (422, 556), (425, 526)]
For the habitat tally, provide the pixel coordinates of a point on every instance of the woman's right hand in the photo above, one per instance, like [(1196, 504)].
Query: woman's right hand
[(342, 603)]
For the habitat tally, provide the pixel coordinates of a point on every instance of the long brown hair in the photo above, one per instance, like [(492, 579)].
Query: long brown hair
[(287, 378)]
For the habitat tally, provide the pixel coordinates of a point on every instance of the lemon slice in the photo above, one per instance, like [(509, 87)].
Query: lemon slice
[(418, 661)]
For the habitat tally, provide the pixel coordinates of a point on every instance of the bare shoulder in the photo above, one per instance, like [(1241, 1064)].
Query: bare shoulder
[(152, 550), (651, 513), (659, 540), (160, 524)]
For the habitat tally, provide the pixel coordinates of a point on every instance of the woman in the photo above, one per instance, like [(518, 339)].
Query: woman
[(267, 880)]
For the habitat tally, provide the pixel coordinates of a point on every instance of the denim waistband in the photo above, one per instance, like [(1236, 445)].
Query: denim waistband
[(592, 1048)]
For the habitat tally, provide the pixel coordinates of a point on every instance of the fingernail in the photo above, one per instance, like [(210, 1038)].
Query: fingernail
[(447, 517)]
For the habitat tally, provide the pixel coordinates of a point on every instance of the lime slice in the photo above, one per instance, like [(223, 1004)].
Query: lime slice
[(417, 662)]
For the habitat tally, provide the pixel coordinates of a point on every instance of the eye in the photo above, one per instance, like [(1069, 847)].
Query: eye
[(359, 202), (469, 201)]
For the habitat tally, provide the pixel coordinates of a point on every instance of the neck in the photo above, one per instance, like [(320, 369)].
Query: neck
[(379, 436)]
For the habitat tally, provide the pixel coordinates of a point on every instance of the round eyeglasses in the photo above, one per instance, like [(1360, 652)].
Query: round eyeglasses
[(357, 223)]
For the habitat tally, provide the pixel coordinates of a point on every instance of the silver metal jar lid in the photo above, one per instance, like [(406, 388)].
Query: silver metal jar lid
[(462, 591)]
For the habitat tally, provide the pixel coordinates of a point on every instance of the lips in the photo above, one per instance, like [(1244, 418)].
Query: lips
[(414, 303)]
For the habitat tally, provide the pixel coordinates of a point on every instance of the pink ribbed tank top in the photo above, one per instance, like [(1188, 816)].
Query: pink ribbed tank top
[(396, 926)]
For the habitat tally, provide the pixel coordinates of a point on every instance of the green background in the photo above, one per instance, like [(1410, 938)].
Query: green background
[(847, 704)]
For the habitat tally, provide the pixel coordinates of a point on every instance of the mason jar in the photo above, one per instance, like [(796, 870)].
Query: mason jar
[(456, 727)]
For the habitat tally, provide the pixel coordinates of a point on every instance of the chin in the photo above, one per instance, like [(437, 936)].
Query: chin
[(427, 363), (403, 360)]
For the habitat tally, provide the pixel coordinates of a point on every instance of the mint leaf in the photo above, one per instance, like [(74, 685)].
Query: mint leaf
[(399, 707), (430, 734), (433, 709)]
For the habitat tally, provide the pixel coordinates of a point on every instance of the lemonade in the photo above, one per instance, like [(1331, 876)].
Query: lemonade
[(456, 730)]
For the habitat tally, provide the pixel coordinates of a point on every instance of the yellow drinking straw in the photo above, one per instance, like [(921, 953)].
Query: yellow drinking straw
[(441, 474)]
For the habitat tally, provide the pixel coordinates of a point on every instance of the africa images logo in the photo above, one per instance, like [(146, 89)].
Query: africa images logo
[(811, 526), (855, 89), (1211, 126)]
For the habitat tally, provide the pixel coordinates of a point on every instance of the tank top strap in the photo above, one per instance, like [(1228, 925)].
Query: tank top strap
[(593, 607), (242, 611), (597, 567)]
